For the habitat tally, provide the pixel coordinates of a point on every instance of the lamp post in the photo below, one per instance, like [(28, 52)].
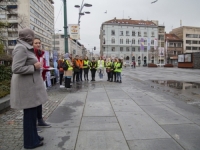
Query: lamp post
[(65, 26), (82, 13)]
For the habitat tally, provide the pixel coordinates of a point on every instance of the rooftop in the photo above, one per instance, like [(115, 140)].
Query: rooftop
[(132, 22), (172, 37)]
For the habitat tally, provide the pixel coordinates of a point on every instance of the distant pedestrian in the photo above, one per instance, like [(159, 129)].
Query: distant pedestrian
[(86, 67), (27, 88), (108, 68), (68, 69), (134, 64), (80, 61), (93, 68), (61, 71), (100, 66), (76, 69)]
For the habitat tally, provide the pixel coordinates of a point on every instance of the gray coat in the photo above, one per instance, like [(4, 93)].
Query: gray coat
[(27, 87)]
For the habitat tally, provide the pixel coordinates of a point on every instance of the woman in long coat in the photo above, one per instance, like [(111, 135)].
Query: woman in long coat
[(27, 88)]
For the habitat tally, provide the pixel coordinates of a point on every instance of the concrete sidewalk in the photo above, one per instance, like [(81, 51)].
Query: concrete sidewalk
[(129, 116)]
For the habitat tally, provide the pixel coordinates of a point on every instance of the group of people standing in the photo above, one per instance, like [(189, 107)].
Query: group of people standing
[(28, 91), (77, 69)]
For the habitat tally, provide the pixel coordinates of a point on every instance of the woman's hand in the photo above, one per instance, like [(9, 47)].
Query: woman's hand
[(38, 65)]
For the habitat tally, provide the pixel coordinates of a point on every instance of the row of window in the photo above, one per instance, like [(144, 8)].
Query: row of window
[(41, 17), (128, 41), (46, 28), (128, 49), (192, 48), (41, 7), (133, 33), (171, 44), (192, 35), (192, 42)]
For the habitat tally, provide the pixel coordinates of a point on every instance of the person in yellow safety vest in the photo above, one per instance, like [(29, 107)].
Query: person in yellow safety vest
[(108, 68), (101, 65), (113, 73), (86, 66), (118, 70), (93, 68), (68, 72)]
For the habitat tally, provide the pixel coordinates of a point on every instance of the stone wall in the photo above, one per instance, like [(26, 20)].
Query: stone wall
[(196, 60)]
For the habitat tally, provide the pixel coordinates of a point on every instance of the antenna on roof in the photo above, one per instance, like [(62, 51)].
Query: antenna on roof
[(181, 23), (123, 14)]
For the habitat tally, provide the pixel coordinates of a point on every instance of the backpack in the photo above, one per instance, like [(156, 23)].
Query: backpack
[(65, 65)]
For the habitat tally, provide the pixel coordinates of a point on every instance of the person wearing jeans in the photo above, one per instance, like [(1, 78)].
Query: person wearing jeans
[(86, 68), (101, 64), (118, 70)]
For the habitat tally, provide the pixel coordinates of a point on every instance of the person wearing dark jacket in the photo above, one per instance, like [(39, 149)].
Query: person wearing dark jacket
[(61, 72), (40, 54), (76, 69), (93, 68)]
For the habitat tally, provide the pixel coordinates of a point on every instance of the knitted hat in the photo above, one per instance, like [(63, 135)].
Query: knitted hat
[(66, 56)]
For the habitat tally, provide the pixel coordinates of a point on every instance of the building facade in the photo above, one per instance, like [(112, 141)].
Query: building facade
[(122, 38), (37, 15), (174, 46), (190, 36), (74, 47)]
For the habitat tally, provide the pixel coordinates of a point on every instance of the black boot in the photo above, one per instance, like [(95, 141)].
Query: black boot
[(120, 81), (42, 123)]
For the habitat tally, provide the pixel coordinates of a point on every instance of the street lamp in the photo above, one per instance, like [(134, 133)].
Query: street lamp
[(81, 8), (82, 13)]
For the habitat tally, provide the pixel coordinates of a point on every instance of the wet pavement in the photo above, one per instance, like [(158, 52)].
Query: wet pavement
[(153, 109)]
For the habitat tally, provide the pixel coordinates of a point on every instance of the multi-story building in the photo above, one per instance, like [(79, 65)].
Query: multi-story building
[(190, 36), (174, 48), (74, 47), (122, 38), (37, 15)]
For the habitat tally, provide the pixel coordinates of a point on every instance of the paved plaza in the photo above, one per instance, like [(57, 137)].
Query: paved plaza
[(153, 109)]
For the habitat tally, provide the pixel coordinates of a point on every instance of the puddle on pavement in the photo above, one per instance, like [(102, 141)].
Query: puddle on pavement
[(178, 84)]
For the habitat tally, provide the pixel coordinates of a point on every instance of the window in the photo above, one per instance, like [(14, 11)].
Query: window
[(139, 33), (152, 42), (133, 33), (171, 44), (127, 41), (133, 41), (103, 32), (139, 41), (179, 45), (121, 49), (62, 36), (194, 42), (127, 33), (2, 16), (138, 49), (145, 41), (121, 33), (113, 32), (133, 49), (113, 41), (127, 49), (12, 42), (121, 41), (113, 49), (194, 48), (145, 34), (188, 48), (188, 42), (152, 34)]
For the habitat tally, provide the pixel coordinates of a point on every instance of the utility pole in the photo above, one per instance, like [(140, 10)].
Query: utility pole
[(65, 26)]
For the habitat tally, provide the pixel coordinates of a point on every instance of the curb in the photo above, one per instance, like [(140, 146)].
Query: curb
[(4, 102)]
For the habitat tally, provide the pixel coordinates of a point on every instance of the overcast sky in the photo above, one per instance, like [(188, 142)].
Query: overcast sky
[(169, 12)]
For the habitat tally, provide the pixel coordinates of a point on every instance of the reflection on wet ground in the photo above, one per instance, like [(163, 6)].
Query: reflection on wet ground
[(178, 84)]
